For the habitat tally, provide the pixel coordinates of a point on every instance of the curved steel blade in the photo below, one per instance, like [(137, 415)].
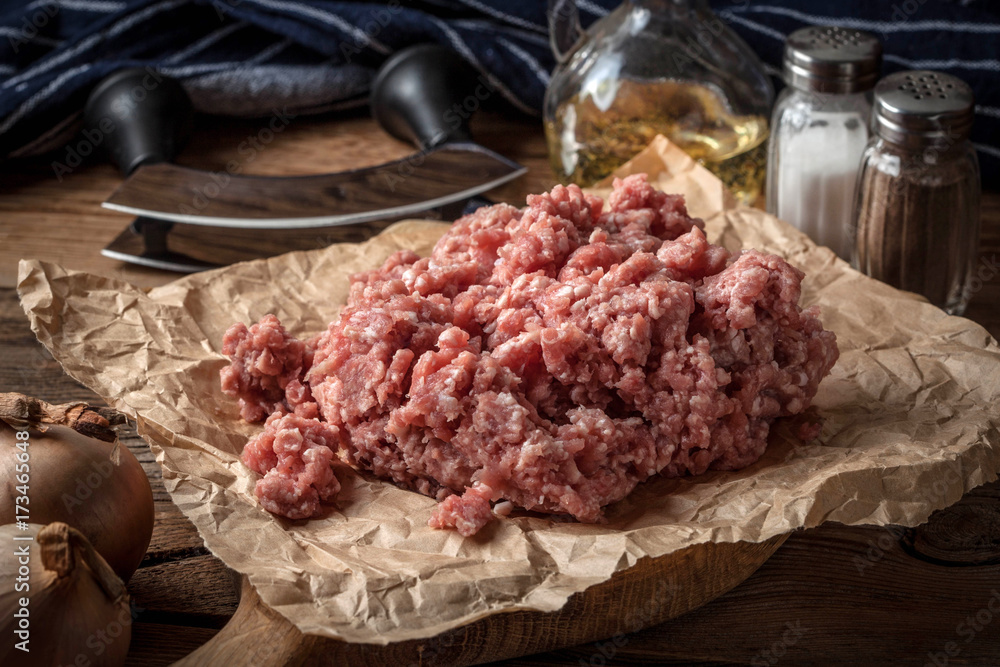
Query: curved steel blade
[(424, 180)]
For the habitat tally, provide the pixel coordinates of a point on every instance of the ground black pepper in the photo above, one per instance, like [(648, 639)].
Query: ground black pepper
[(917, 213)]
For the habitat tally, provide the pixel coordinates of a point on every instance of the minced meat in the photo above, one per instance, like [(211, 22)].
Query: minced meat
[(552, 357)]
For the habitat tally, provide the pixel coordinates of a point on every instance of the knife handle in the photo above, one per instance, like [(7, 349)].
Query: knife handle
[(141, 116), (421, 95)]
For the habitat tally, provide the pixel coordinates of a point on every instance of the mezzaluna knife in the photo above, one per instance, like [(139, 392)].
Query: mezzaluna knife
[(413, 97), (170, 246)]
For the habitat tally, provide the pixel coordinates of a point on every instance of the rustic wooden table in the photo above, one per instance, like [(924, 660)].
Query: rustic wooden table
[(832, 595)]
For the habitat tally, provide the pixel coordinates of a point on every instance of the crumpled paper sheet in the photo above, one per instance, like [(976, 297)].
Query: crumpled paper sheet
[(910, 424)]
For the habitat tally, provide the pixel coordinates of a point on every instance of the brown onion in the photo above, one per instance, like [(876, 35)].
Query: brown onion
[(97, 487), (60, 603)]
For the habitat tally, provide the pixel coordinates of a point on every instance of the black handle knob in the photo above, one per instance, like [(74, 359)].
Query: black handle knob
[(143, 117), (419, 95)]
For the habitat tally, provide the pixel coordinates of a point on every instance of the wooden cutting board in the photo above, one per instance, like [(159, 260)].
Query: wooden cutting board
[(651, 592), (917, 587)]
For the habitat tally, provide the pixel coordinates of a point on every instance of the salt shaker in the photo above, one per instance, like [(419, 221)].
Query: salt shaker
[(917, 202), (819, 129)]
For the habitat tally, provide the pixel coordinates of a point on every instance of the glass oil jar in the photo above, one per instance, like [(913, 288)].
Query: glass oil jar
[(666, 67), (917, 202), (819, 130)]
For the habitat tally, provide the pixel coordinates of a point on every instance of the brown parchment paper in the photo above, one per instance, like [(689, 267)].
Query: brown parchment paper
[(910, 424)]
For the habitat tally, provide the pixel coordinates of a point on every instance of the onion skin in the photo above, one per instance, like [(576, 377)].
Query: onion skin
[(76, 604), (73, 480), (20, 411)]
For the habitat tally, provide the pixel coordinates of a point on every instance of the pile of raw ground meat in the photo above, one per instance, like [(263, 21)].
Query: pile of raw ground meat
[(553, 356)]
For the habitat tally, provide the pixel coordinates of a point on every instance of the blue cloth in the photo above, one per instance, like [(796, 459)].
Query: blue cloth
[(245, 57)]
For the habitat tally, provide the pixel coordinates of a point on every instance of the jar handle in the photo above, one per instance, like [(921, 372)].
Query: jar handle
[(564, 28)]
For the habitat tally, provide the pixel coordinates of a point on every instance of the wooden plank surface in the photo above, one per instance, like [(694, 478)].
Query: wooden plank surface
[(647, 594), (833, 595)]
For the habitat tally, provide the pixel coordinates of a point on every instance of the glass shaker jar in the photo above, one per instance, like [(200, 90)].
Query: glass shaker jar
[(659, 67), (917, 201), (819, 129)]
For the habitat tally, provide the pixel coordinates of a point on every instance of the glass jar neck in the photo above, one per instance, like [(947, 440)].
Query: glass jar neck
[(671, 5)]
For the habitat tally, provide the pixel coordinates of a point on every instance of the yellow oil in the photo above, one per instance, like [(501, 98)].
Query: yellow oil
[(586, 143)]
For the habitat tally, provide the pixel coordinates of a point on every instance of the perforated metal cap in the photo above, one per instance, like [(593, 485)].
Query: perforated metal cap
[(921, 108), (832, 60)]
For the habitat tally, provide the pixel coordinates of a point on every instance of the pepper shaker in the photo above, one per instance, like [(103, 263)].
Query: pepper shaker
[(819, 130), (917, 200)]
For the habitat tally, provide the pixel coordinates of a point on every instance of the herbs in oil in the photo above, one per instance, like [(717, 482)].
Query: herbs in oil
[(587, 142)]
